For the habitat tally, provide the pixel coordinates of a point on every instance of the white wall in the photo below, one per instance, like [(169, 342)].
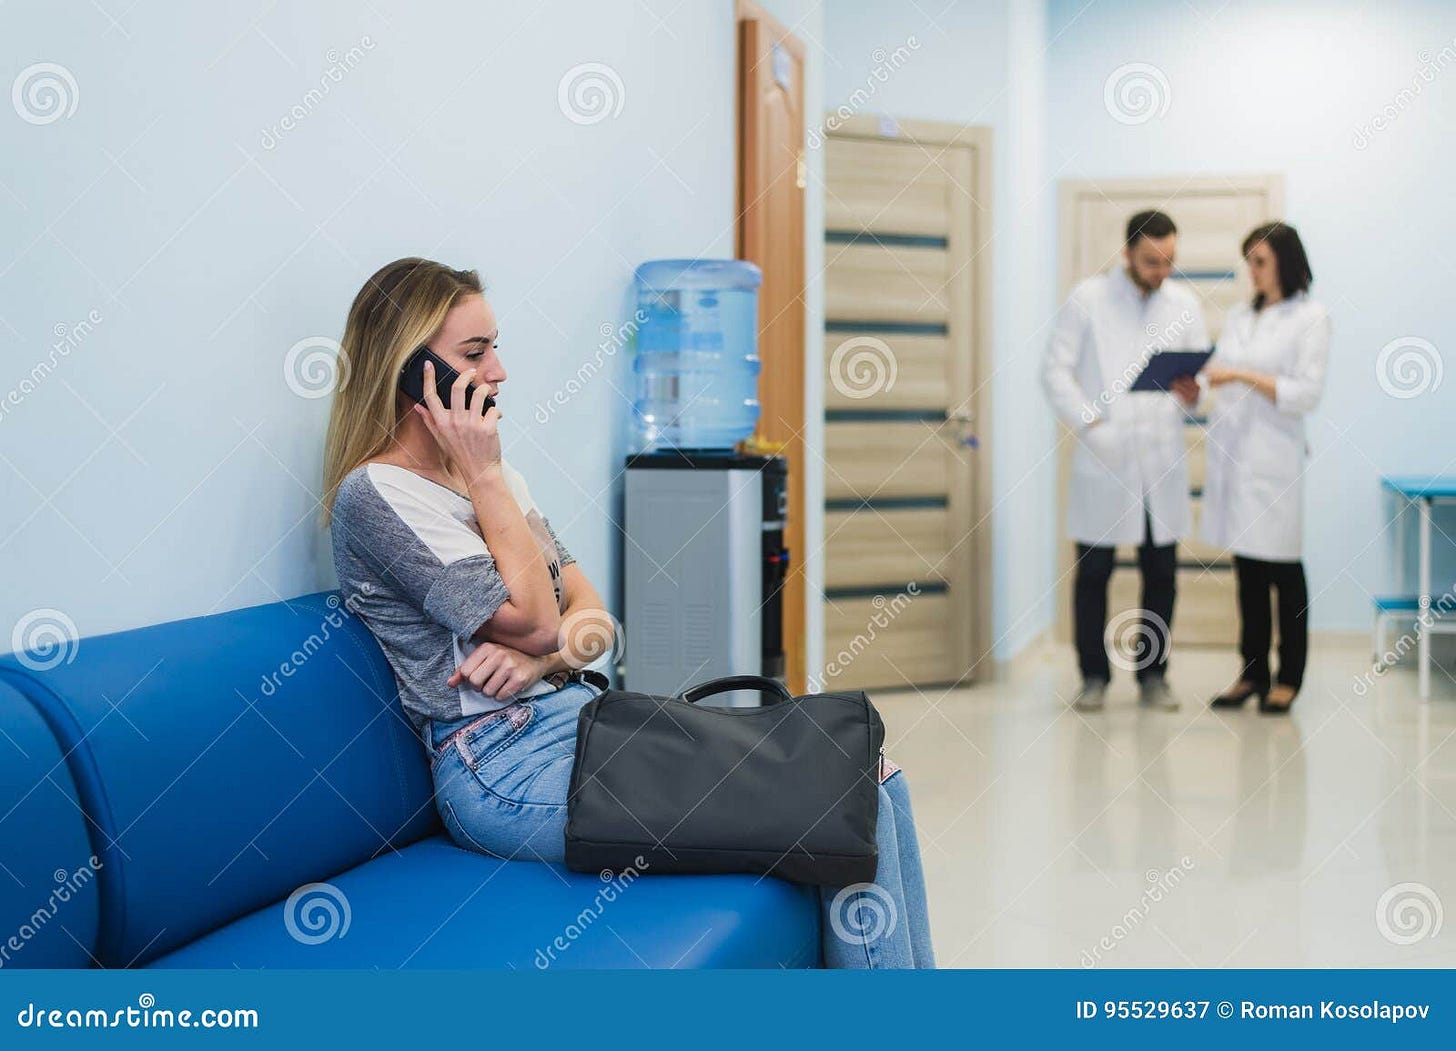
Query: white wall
[(1302, 88), (165, 468), (983, 63)]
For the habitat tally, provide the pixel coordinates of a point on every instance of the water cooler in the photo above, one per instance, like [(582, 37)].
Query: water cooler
[(704, 568), (704, 557)]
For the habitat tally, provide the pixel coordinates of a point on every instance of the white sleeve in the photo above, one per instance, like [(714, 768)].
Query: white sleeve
[(1058, 372), (1299, 391)]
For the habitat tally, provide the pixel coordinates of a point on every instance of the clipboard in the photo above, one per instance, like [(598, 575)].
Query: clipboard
[(1166, 366)]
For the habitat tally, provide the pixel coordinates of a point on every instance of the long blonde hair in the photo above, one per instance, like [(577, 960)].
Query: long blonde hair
[(398, 309)]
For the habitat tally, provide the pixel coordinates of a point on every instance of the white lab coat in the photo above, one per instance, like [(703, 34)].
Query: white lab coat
[(1253, 499), (1135, 457)]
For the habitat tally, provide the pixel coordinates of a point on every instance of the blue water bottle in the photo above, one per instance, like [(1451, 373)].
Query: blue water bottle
[(696, 368)]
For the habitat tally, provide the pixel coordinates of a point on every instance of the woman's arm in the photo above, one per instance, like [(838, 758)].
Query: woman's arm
[(587, 631), (528, 620), (1261, 381), (470, 439), (1297, 391)]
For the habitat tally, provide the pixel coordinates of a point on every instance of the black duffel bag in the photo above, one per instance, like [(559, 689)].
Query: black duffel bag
[(664, 784)]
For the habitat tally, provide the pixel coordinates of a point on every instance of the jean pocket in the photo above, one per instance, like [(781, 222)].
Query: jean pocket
[(458, 832), (479, 742)]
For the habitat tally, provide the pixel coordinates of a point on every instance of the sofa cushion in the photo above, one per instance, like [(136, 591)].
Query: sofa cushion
[(228, 759), (48, 878), (433, 904)]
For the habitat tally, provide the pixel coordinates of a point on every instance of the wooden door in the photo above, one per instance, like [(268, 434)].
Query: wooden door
[(771, 234), (906, 347), (1213, 215)]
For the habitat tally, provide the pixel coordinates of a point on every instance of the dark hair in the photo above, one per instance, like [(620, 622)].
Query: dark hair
[(1152, 223), (1283, 240)]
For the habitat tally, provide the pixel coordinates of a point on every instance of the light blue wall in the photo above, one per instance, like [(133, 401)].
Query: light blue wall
[(164, 468), (983, 63), (163, 254), (1297, 88)]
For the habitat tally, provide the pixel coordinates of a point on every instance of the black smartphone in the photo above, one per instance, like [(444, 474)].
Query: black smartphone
[(412, 378)]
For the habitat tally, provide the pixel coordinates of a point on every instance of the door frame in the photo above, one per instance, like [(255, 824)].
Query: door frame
[(977, 606), (781, 387)]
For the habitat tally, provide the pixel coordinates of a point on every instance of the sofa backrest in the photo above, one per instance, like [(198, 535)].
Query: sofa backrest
[(226, 760), (48, 890)]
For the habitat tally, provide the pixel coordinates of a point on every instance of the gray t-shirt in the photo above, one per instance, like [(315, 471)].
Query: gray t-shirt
[(413, 566)]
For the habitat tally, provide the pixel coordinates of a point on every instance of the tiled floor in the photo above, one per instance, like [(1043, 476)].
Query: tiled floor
[(1129, 838)]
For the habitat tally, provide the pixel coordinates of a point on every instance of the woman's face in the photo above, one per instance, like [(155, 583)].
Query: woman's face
[(1264, 270), (467, 340)]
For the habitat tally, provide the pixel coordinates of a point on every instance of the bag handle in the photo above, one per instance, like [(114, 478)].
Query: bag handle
[(770, 688)]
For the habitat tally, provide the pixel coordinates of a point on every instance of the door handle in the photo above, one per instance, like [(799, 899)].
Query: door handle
[(964, 418)]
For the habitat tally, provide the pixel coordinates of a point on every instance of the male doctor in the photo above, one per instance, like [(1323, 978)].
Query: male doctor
[(1129, 482)]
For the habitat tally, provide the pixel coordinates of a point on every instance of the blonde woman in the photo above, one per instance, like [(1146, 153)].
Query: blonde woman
[(486, 618)]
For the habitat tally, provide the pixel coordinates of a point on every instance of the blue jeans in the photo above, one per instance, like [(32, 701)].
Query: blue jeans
[(501, 783)]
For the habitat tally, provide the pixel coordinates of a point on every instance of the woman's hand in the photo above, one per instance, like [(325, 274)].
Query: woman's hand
[(468, 437), (499, 671), (1262, 382)]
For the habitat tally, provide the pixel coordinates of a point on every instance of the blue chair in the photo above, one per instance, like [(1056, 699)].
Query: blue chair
[(244, 790)]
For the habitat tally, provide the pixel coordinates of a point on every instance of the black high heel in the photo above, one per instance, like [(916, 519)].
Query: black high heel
[(1277, 709), (1235, 698)]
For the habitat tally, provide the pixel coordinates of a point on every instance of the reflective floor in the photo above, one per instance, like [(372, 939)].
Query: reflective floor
[(1141, 839)]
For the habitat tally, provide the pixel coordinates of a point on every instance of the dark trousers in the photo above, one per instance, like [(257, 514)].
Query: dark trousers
[(1158, 564), (1256, 577)]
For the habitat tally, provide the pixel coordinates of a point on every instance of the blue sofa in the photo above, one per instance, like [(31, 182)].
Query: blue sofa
[(244, 790)]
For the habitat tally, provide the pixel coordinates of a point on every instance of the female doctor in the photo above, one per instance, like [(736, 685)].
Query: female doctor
[(1267, 373)]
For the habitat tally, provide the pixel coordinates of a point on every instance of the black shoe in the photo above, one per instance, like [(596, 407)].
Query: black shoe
[(1278, 701), (1092, 696), (1237, 694)]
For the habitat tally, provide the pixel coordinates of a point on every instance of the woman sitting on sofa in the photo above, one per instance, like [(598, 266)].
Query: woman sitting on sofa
[(483, 614)]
